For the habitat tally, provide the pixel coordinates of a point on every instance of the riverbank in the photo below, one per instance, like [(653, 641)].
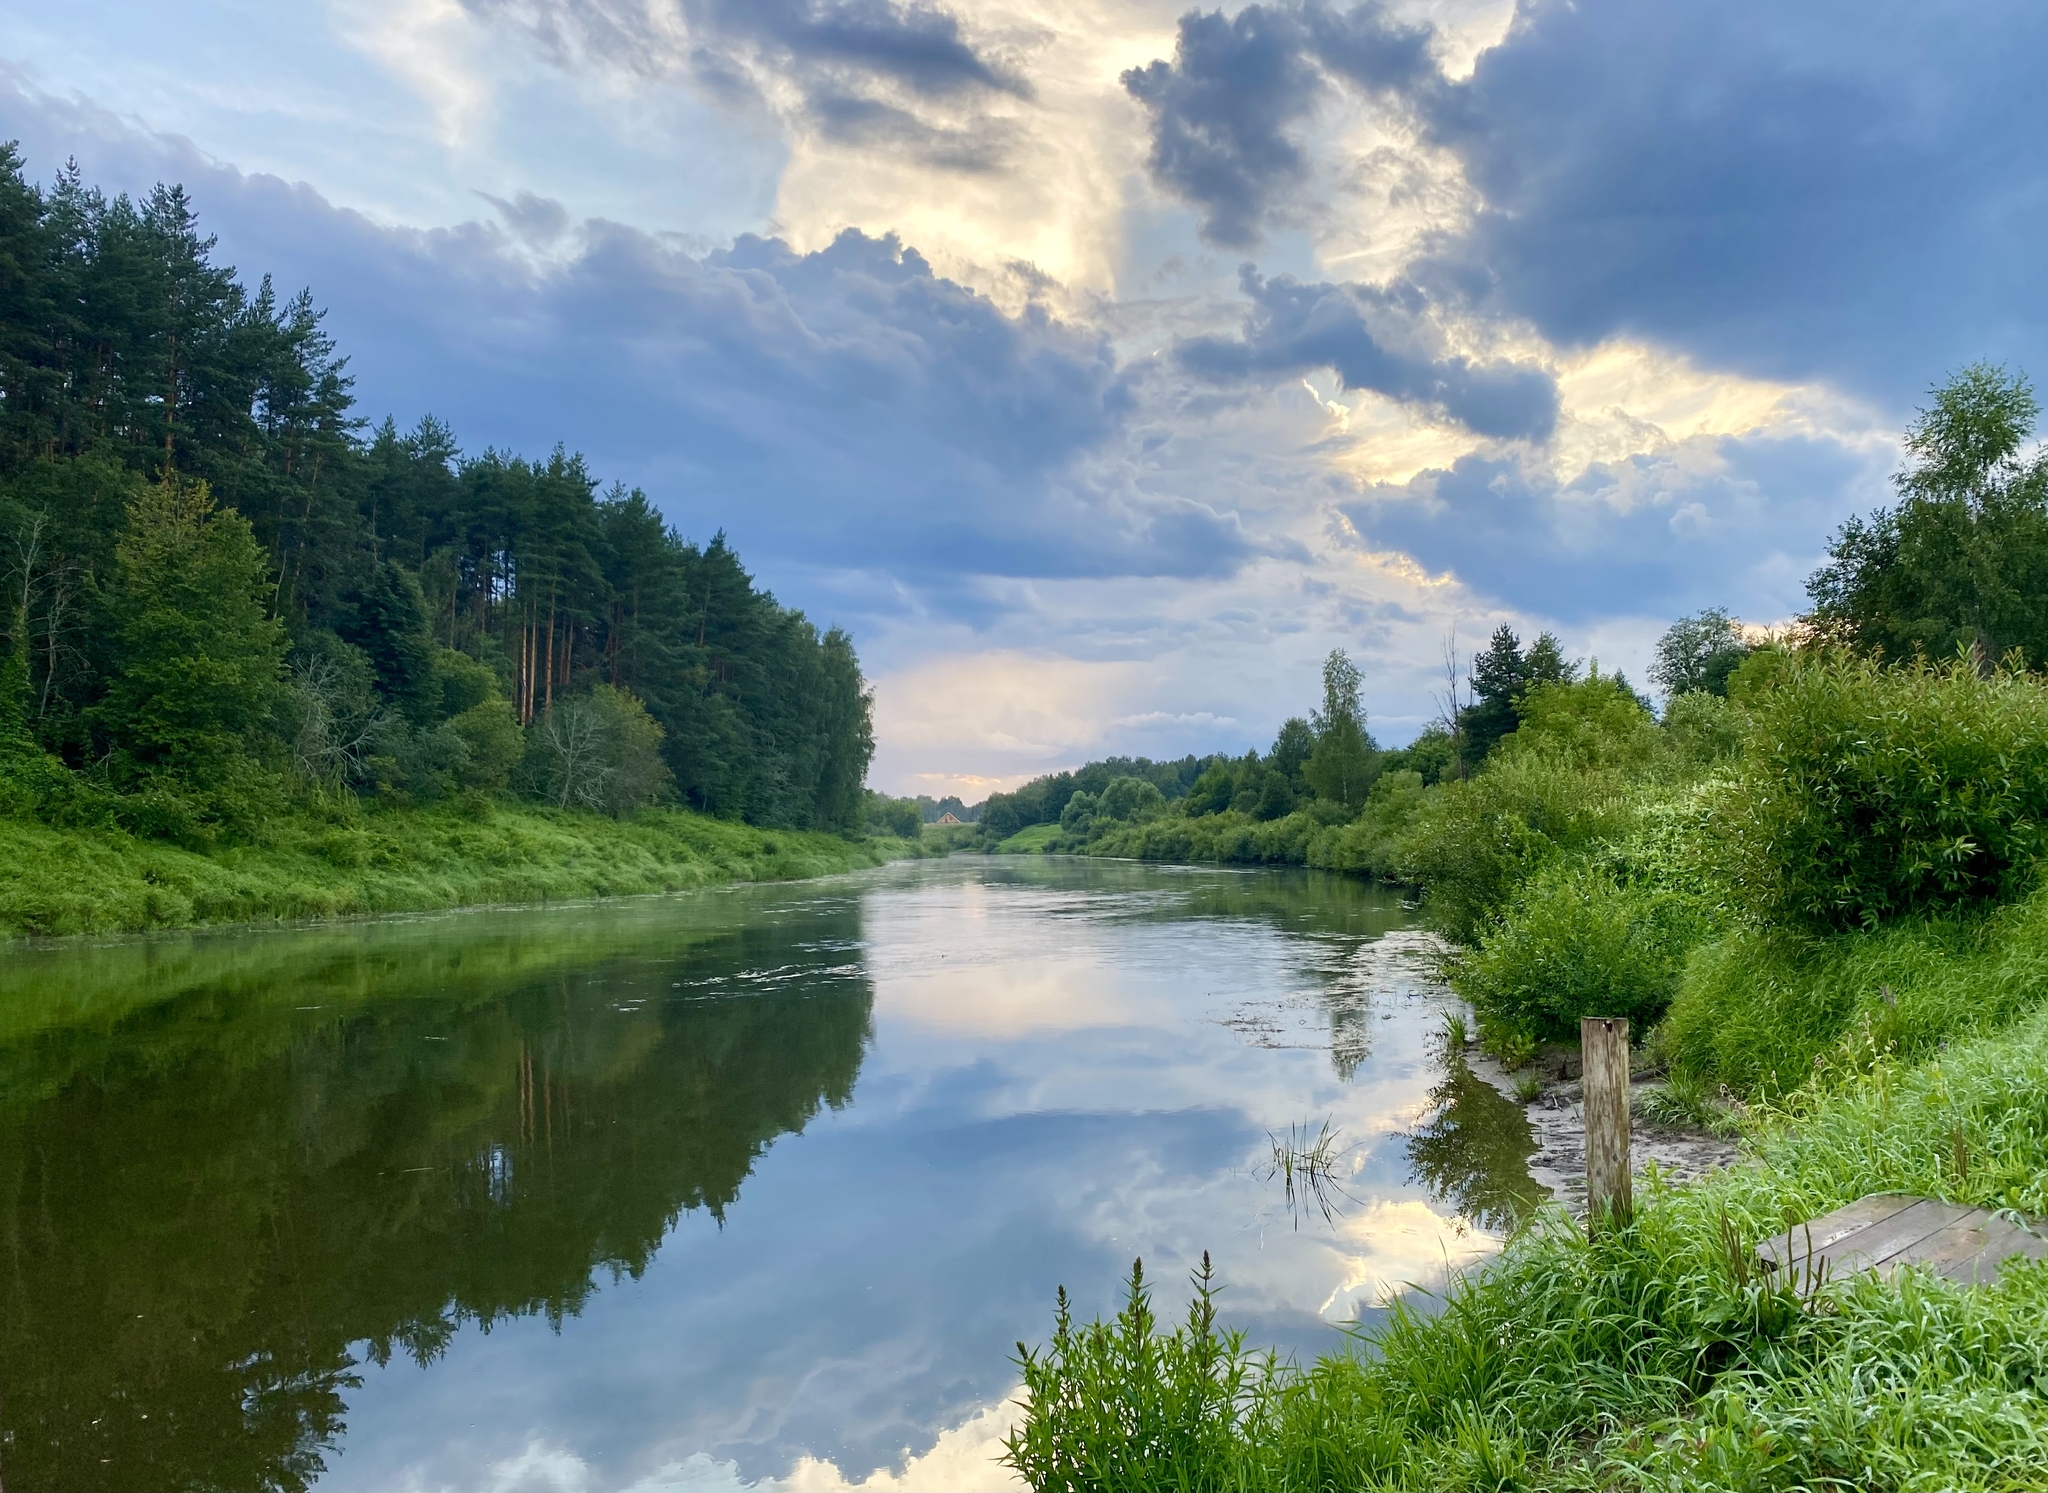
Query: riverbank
[(65, 881), (1658, 1357)]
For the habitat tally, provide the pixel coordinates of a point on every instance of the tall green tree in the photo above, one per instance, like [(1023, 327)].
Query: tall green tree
[(1961, 562), (434, 601), (199, 658), (1697, 654), (1345, 761), (1501, 673)]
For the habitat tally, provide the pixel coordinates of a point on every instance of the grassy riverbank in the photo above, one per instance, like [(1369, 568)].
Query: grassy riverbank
[(57, 881), (1832, 922), (1656, 1358)]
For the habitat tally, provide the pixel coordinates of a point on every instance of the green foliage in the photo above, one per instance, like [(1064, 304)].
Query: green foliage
[(1128, 1407), (1867, 793), (1433, 754), (200, 659), (1227, 837), (1574, 942), (492, 745), (1762, 1009), (1473, 842), (1129, 799), (1595, 722), (599, 751), (433, 581), (1703, 729), (1962, 562), (900, 817), (1698, 653), (1342, 767), (1501, 674), (1291, 749), (1371, 844)]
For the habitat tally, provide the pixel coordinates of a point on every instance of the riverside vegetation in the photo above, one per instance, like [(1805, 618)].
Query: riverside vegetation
[(1816, 883), (260, 659)]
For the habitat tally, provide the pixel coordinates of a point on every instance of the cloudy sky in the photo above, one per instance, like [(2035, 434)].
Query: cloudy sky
[(1102, 363)]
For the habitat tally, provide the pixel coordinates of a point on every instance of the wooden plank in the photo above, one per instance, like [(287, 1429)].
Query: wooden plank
[(1813, 1237), (1869, 1248), (1609, 1196), (1982, 1268), (1956, 1247), (1887, 1232)]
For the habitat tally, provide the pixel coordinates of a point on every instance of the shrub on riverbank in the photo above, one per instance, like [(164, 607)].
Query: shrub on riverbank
[(353, 861), (1658, 1357), (1577, 942), (1867, 793)]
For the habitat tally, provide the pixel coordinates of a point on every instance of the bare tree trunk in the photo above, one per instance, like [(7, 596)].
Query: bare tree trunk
[(548, 690)]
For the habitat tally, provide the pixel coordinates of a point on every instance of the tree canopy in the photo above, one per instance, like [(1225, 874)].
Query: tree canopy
[(1960, 564), (213, 559)]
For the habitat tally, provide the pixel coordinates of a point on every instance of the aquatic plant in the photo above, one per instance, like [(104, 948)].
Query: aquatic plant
[(1307, 1165)]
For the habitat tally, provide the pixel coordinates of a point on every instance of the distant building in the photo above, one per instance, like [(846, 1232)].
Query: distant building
[(946, 818)]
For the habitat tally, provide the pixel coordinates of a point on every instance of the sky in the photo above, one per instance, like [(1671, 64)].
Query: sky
[(1102, 364)]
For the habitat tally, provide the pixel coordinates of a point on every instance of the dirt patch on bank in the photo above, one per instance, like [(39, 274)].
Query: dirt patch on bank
[(1558, 1118)]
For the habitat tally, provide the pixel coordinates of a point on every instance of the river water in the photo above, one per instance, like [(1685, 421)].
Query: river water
[(749, 1187)]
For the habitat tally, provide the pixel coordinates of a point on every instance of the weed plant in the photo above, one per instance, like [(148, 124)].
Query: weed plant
[(1306, 1164)]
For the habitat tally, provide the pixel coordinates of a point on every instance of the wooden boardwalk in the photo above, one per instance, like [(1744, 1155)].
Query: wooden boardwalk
[(1889, 1230)]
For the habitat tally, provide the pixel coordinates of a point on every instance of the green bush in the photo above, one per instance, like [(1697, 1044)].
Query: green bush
[(1229, 837), (1867, 793), (1369, 845), (1577, 942), (1472, 843), (1592, 722)]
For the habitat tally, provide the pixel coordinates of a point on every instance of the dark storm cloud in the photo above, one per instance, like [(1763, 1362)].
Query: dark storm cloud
[(1837, 189), (1294, 328), (1846, 189), (836, 410), (839, 53), (1222, 109), (917, 45), (1734, 521)]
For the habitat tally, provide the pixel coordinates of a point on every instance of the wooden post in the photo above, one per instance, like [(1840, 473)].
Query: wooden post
[(1609, 1200)]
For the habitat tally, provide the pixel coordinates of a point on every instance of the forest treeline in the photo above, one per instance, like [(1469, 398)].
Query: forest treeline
[(225, 590)]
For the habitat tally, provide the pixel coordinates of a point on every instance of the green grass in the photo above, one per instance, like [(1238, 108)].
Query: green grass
[(1031, 840), (1763, 1012), (59, 881), (1657, 1357)]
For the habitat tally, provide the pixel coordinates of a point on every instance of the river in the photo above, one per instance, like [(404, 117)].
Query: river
[(754, 1187)]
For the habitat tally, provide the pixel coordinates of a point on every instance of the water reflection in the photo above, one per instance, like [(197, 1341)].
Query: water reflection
[(206, 1202), (1473, 1150), (452, 1201)]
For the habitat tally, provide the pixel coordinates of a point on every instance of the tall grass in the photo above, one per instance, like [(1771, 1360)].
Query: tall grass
[(1764, 1011), (55, 881), (1657, 1356)]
